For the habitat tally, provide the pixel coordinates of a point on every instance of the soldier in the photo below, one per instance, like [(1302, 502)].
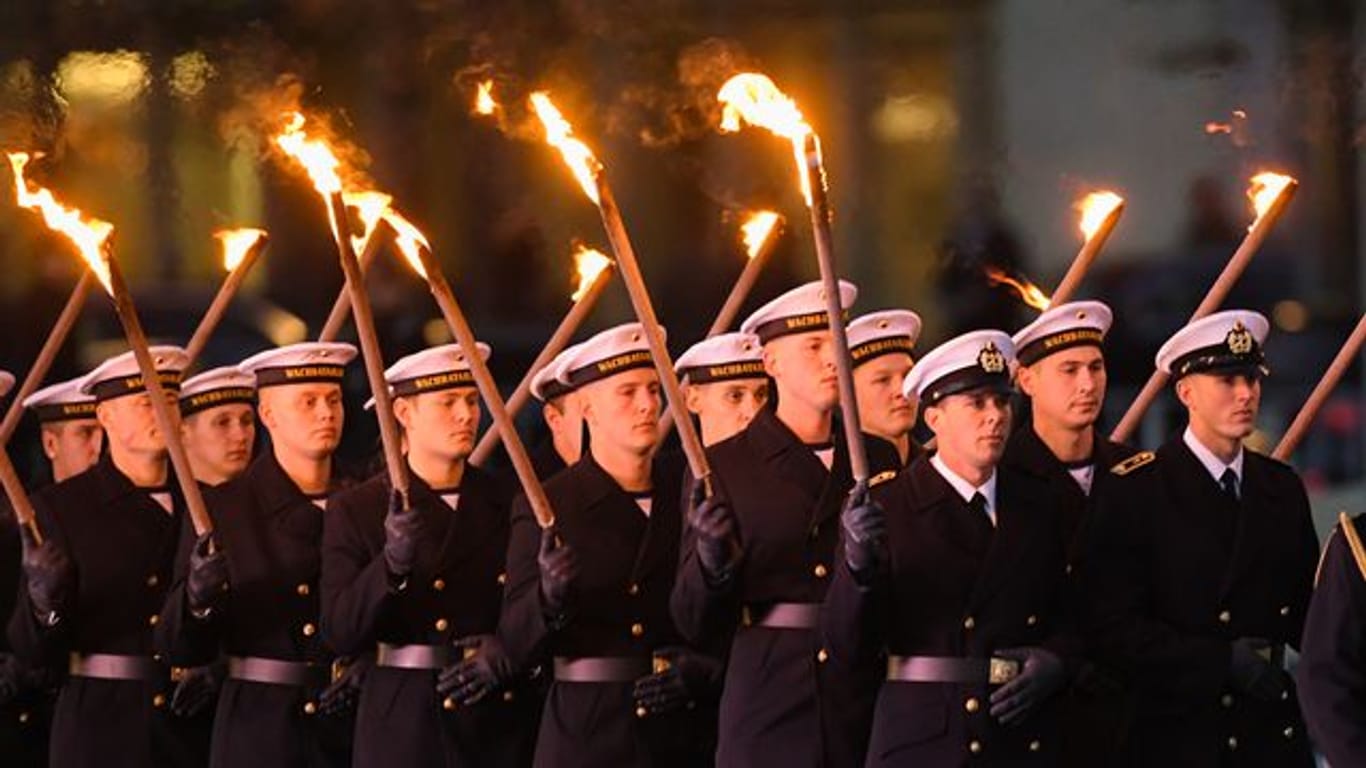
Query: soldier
[(1203, 566), (724, 383), (91, 590), (71, 435), (1062, 370), (592, 591), (250, 589), (562, 410), (960, 581), (425, 582), (880, 345), (218, 423)]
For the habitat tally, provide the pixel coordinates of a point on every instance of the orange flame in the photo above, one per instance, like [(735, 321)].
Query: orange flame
[(370, 206), (1212, 128), (589, 263), (313, 154), (1266, 189), (1095, 209), (236, 244), (409, 239), (483, 102), (757, 229), (753, 98), (88, 234), (1028, 292), (560, 135)]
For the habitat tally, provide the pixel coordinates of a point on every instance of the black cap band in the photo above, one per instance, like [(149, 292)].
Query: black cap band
[(964, 380), (552, 389), (626, 361), (299, 374), (786, 326), (132, 385), (54, 412), (202, 401), (1219, 359), (739, 369), (433, 383), (875, 348), (1042, 347)]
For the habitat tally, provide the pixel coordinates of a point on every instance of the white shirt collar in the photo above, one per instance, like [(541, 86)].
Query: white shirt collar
[(1213, 464), (967, 490)]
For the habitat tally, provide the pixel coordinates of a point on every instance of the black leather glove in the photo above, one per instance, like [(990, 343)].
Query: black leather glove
[(865, 532), (12, 678), (683, 677), (344, 691), (1251, 671), (1041, 675), (718, 538), (208, 575), (49, 573), (559, 568), (483, 669), (402, 527), (196, 690)]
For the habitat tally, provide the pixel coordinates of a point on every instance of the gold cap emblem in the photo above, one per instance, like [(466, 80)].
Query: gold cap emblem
[(990, 359), (1239, 340)]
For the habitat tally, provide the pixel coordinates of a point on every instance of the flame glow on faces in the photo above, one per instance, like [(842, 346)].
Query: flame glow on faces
[(88, 234), (753, 98), (236, 244), (757, 229), (1028, 292), (313, 154), (1266, 188), (483, 101), (588, 263), (560, 135), (1095, 208)]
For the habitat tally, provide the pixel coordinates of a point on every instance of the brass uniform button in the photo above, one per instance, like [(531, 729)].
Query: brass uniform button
[(153, 580), (502, 579), (159, 700), (972, 705), (310, 708), (1032, 620), (975, 747), (1289, 732), (820, 570), (302, 589), (1035, 745), (1226, 700), (822, 656), (441, 625), (1225, 617), (152, 620), (439, 585), (642, 711), (1233, 742), (637, 629), (309, 630), (23, 717), (508, 696), (633, 590), (448, 704), (1285, 610), (969, 623)]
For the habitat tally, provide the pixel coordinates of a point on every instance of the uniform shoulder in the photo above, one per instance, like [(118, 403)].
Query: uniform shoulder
[(1270, 465), (886, 476), (1348, 532), (1138, 461)]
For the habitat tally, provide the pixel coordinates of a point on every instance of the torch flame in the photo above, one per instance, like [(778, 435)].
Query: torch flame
[(1028, 292), (87, 234), (1266, 189), (560, 135), (236, 244), (409, 239), (753, 98), (313, 154), (483, 102), (589, 263), (1095, 209), (370, 207), (757, 229)]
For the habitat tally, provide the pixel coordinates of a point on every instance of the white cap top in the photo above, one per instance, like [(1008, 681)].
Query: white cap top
[(120, 375), (882, 333), (546, 384), (62, 401), (615, 350), (308, 362), (431, 370), (800, 310), (1224, 341), (215, 387), (1074, 324), (723, 357), (971, 361)]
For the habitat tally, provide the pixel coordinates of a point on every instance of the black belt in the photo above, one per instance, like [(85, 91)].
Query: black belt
[(783, 615), (113, 666), (257, 669), (413, 656), (601, 669), (951, 669)]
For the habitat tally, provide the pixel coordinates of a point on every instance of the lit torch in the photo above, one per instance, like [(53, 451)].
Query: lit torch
[(241, 247), (595, 272), (753, 98), (1305, 418), (91, 238), (1027, 291), (1100, 212), (483, 100), (370, 207), (1270, 193)]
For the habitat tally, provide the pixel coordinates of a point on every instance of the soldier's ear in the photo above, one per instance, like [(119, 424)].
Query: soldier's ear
[(49, 443), (1183, 391), (1024, 379), (403, 412), (771, 366), (932, 416), (692, 397), (104, 414)]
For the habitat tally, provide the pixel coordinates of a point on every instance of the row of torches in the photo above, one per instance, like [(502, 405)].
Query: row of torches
[(747, 98)]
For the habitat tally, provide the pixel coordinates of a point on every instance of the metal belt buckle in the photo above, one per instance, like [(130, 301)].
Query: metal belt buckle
[(659, 664), (338, 669), (178, 674), (469, 652), (1002, 671)]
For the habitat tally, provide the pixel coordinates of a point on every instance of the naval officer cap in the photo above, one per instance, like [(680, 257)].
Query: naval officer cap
[(431, 370), (62, 401), (310, 362), (215, 387), (546, 384), (1224, 342), (613, 351), (882, 333), (1074, 324), (723, 357), (976, 360), (800, 310), (120, 375)]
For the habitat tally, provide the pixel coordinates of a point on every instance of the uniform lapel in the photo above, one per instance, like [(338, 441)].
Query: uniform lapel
[(965, 529), (1256, 499), (1014, 531), (287, 506), (659, 544), (1203, 504)]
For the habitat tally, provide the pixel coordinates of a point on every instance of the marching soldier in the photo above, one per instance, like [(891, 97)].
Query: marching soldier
[(562, 410), (724, 383), (1203, 566), (1062, 371), (71, 435), (250, 589), (880, 345), (218, 423), (425, 583), (592, 591), (957, 571), (92, 589)]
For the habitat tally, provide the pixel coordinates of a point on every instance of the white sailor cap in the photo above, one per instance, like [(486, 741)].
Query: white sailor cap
[(62, 401), (615, 350), (309, 362), (800, 310), (882, 333), (546, 384), (723, 357), (215, 387), (120, 375), (1074, 324), (1226, 342), (6, 382), (971, 361), (431, 370)]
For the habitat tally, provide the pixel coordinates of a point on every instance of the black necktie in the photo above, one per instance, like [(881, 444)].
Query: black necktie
[(978, 504), (1229, 482)]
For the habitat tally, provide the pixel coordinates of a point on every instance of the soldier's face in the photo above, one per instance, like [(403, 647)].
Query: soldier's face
[(305, 419), (72, 446), (564, 417), (131, 424), (971, 427), (1222, 404), (803, 368), (882, 409), (622, 411), (440, 424), (726, 407), (1066, 388), (219, 441)]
